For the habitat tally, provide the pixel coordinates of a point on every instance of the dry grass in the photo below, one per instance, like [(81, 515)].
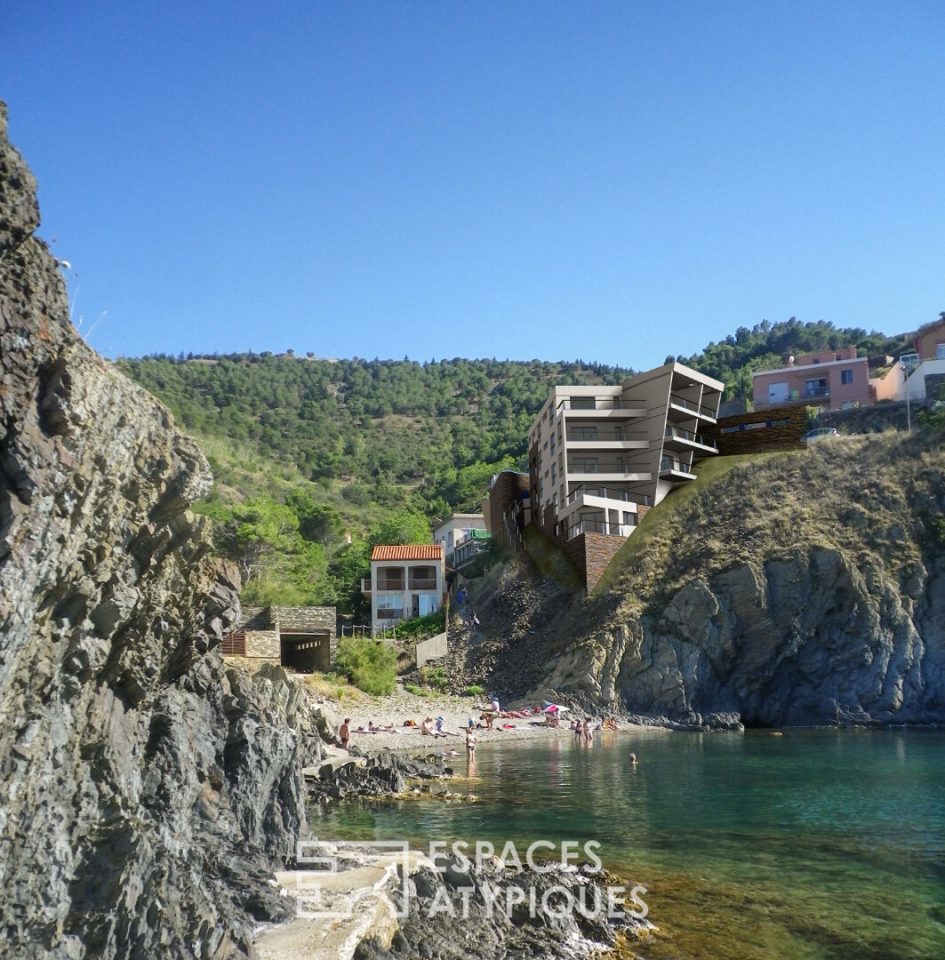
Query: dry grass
[(872, 496)]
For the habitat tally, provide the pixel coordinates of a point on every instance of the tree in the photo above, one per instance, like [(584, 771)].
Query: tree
[(402, 526)]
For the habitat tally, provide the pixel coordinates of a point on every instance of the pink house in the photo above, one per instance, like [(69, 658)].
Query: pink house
[(837, 379)]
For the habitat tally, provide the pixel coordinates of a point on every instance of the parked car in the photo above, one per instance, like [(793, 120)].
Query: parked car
[(821, 433)]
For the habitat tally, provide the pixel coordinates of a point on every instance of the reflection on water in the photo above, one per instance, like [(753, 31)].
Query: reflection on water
[(818, 845)]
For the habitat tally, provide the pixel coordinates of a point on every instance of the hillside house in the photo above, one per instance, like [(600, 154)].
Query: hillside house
[(837, 379), (600, 456), (300, 638), (927, 375), (463, 536), (406, 581)]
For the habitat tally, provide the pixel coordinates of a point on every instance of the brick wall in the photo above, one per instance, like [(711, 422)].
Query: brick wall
[(505, 491), (591, 553), (774, 428)]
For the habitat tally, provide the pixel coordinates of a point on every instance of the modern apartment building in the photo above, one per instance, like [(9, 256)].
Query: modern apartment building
[(599, 457), (837, 379), (406, 581)]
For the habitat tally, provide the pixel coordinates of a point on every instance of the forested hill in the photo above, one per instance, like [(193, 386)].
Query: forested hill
[(306, 449), (364, 422), (767, 345)]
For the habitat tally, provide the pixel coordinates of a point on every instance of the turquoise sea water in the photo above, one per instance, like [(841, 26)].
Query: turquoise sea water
[(814, 845)]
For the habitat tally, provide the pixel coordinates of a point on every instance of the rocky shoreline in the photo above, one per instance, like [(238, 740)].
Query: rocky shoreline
[(378, 904)]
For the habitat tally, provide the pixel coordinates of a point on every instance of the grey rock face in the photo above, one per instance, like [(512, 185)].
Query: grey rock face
[(814, 638), (146, 791)]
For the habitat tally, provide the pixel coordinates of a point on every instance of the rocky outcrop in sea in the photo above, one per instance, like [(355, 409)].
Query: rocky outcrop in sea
[(808, 589)]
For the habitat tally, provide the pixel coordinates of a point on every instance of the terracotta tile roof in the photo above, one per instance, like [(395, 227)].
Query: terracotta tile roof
[(408, 552)]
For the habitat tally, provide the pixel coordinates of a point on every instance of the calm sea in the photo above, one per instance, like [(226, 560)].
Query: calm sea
[(814, 845)]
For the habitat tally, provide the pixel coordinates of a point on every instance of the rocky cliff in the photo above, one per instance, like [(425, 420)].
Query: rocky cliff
[(146, 791), (798, 588)]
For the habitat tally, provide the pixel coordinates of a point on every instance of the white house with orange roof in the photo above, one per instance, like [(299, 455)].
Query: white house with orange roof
[(406, 581)]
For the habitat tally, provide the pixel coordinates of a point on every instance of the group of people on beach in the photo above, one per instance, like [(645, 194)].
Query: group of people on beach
[(550, 713)]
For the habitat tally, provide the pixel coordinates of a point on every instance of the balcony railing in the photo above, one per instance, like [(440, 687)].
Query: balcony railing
[(387, 584), (668, 465), (676, 433), (423, 583), (593, 435), (601, 526), (603, 403), (609, 493), (613, 467), (816, 393), (692, 405)]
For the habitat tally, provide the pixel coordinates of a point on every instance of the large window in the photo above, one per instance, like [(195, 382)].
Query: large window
[(846, 376), (584, 465), (390, 607)]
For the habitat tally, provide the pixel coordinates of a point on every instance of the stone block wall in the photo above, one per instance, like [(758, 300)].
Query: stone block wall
[(263, 645), (431, 649), (308, 620)]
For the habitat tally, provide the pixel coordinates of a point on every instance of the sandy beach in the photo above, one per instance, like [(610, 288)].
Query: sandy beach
[(393, 710)]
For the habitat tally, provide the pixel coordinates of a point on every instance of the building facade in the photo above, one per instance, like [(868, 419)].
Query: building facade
[(926, 377), (300, 638), (456, 531), (507, 508), (406, 581), (836, 379), (600, 456)]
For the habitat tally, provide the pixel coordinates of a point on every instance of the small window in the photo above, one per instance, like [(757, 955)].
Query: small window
[(940, 351), (846, 376)]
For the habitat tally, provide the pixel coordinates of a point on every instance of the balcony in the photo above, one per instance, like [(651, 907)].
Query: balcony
[(600, 526), (393, 584), (609, 493), (690, 406), (675, 470), (603, 408), (676, 436), (422, 583)]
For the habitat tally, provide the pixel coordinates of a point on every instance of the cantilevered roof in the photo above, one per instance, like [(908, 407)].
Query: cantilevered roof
[(424, 551)]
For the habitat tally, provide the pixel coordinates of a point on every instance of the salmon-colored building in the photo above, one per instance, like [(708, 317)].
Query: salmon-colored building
[(837, 379)]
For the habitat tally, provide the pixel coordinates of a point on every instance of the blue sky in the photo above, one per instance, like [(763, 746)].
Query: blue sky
[(609, 181)]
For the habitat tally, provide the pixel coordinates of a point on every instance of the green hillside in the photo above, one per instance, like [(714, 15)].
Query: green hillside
[(309, 452)]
